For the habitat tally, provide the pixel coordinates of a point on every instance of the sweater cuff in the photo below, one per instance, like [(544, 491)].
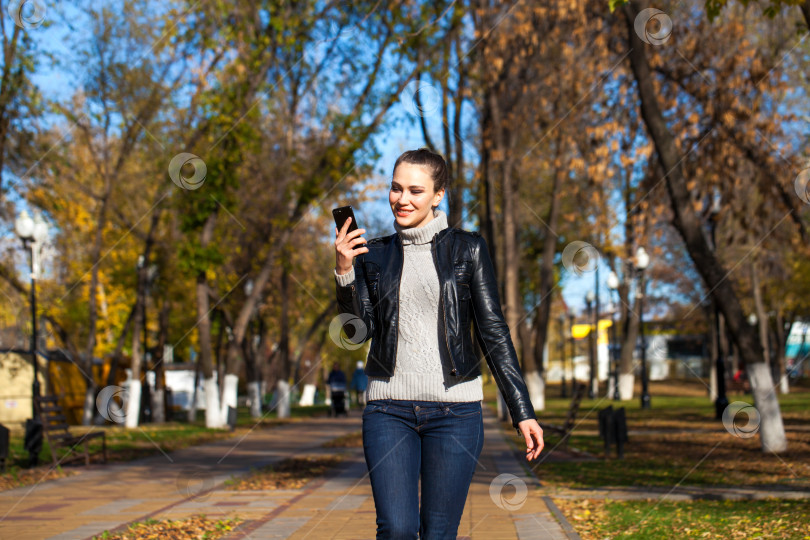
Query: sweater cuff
[(344, 280)]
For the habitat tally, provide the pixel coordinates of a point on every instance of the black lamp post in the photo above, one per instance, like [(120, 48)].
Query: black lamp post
[(613, 285), (573, 352), (33, 233), (721, 402), (589, 298), (564, 392), (642, 260)]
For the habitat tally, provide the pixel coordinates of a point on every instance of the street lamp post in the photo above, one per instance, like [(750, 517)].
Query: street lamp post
[(721, 402), (595, 377), (642, 260), (589, 298), (33, 233), (613, 285), (573, 352), (564, 393)]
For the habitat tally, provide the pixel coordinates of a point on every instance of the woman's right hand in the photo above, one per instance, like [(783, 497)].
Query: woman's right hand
[(346, 247)]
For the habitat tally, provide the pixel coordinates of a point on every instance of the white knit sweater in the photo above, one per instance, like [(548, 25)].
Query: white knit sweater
[(422, 370)]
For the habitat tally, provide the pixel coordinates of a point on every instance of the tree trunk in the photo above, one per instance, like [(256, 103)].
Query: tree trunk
[(192, 409), (250, 351), (119, 346), (533, 366), (629, 316), (134, 398), (159, 395), (715, 352), (762, 316), (511, 272), (283, 387), (547, 277), (86, 363), (688, 225), (10, 87), (631, 327), (771, 428), (213, 418), (780, 338)]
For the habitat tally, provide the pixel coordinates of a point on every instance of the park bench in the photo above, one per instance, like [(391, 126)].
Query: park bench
[(55, 429), (565, 429)]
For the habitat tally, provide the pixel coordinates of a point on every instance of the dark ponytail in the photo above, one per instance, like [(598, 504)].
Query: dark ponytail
[(434, 162)]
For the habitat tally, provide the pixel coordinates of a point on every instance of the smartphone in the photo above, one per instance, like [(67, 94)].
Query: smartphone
[(341, 215)]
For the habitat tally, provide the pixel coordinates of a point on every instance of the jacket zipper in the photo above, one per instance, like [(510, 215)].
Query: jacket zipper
[(399, 284), (444, 318)]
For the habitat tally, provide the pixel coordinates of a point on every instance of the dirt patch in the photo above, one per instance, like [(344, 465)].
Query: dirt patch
[(292, 473), (193, 527), (350, 440)]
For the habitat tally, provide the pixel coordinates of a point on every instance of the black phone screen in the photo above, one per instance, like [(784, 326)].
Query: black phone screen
[(341, 215)]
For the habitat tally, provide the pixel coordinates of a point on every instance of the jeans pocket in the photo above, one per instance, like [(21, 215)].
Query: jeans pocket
[(373, 407), (464, 409)]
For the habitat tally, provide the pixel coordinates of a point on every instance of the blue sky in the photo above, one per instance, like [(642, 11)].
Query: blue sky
[(401, 134)]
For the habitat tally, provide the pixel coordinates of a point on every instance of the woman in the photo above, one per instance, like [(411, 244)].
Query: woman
[(417, 292)]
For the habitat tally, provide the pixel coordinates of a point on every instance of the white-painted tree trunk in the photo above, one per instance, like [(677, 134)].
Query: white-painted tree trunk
[(784, 388), (89, 406), (192, 409), (229, 395), (771, 430), (213, 415), (283, 399), (611, 386), (307, 396), (158, 411), (713, 382), (133, 404), (255, 398), (626, 381), (537, 390)]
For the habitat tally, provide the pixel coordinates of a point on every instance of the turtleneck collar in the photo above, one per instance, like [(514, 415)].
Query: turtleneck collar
[(424, 234)]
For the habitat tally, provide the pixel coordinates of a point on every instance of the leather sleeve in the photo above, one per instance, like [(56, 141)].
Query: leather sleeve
[(494, 338), (353, 299)]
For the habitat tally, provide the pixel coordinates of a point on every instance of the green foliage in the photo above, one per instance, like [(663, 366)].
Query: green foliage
[(194, 259), (615, 4)]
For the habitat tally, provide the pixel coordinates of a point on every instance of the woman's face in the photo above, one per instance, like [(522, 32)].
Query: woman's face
[(412, 196)]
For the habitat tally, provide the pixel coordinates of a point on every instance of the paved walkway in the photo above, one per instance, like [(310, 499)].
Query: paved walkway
[(339, 505), (682, 493)]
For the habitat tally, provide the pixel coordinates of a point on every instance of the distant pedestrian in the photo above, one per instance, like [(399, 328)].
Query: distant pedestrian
[(337, 390), (336, 375), (359, 383), (417, 293)]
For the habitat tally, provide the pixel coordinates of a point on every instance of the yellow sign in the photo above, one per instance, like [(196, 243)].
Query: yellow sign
[(579, 331)]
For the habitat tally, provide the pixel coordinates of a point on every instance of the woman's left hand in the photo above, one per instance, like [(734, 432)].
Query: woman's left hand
[(533, 434)]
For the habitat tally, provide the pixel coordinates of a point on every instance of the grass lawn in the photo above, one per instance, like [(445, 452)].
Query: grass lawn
[(128, 444), (677, 442), (653, 520)]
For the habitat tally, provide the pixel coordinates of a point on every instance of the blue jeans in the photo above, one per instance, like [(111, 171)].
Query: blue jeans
[(439, 441)]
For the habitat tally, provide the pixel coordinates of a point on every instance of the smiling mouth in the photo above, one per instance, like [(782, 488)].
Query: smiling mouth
[(403, 213)]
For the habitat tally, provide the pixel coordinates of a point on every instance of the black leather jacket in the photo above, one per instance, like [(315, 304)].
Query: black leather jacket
[(469, 294)]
